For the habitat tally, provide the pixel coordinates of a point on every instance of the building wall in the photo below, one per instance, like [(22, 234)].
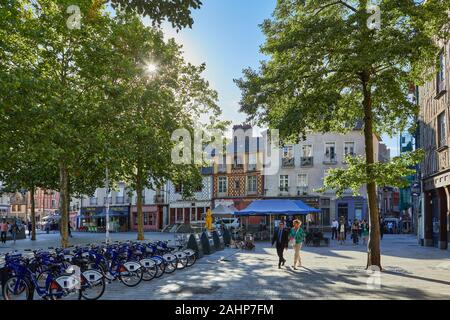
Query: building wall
[(434, 104), (317, 171)]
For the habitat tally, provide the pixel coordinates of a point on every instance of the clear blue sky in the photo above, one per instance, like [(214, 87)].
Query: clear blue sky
[(226, 36)]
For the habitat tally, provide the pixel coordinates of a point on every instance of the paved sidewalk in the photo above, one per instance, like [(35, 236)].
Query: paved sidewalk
[(336, 272)]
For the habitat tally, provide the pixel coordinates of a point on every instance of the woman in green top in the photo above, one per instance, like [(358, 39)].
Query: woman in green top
[(365, 232), (298, 236)]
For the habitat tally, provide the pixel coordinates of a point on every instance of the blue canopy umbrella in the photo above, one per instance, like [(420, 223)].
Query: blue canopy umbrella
[(276, 206)]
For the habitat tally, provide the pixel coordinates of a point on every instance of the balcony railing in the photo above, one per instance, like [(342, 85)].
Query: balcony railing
[(222, 168), (442, 142), (93, 201), (306, 161), (251, 167), (288, 162), (440, 88), (302, 190), (330, 159), (238, 166)]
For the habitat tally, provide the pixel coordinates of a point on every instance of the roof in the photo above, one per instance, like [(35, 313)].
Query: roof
[(276, 206)]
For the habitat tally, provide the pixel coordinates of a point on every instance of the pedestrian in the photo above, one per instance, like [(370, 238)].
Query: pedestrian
[(355, 232), (361, 226), (365, 233), (381, 228), (334, 228), (30, 228), (14, 230), (281, 239), (390, 227), (296, 235), (3, 231), (70, 229), (342, 228)]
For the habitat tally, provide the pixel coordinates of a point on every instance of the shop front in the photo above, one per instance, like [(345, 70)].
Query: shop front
[(188, 212), (93, 219), (351, 208), (152, 217)]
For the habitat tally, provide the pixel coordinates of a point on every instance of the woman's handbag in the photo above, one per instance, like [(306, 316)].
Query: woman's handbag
[(293, 240)]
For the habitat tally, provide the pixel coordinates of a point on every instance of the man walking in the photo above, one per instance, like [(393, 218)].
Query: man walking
[(30, 228), (297, 235), (280, 237), (3, 231), (334, 228), (342, 232), (14, 231)]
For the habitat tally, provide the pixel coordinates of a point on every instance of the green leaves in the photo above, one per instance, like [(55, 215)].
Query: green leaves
[(359, 173), (319, 52), (177, 12)]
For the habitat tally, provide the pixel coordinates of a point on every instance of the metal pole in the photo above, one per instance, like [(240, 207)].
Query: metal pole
[(108, 239)]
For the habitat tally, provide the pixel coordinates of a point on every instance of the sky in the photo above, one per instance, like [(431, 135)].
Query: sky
[(226, 37)]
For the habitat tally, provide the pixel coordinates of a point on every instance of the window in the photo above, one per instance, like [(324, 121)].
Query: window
[(349, 148), (53, 203), (307, 151), (330, 154), (120, 195), (440, 77), (237, 184), (302, 180), (287, 152), (178, 188), (306, 159), (442, 133), (284, 182), (325, 216), (251, 184), (288, 157), (222, 184)]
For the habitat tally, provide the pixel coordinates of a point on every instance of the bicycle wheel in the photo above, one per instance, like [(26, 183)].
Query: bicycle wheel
[(93, 285), (150, 273), (191, 260), (57, 291), (16, 289), (130, 278), (171, 266), (160, 268), (182, 262)]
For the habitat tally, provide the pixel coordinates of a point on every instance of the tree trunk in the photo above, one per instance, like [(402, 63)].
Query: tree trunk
[(33, 214), (373, 245), (63, 200), (140, 215)]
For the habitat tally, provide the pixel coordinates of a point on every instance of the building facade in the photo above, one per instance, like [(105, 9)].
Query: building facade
[(19, 206), (121, 202), (303, 167), (434, 101), (191, 210), (237, 172)]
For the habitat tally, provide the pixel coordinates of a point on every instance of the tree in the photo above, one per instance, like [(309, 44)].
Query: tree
[(24, 164), (156, 103), (329, 66)]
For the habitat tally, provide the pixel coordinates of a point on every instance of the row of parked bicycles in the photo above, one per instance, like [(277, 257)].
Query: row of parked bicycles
[(82, 272)]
